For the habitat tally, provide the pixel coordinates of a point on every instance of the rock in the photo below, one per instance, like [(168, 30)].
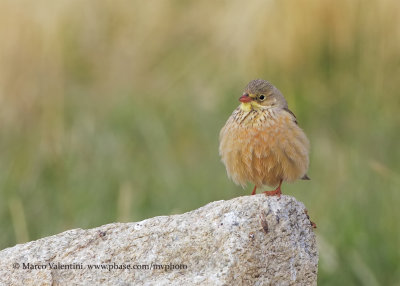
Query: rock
[(251, 240)]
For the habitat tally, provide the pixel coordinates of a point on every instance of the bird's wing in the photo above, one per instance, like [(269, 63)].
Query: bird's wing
[(289, 111), (305, 177)]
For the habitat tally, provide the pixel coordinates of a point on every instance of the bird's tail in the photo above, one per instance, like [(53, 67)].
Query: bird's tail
[(305, 177)]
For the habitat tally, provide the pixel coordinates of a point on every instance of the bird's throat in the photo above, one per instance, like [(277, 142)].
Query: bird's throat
[(248, 106), (245, 106)]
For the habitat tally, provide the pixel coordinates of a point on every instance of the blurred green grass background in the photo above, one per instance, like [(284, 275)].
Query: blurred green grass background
[(111, 110)]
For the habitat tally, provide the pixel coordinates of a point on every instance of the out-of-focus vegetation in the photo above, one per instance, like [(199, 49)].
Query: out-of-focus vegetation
[(110, 111)]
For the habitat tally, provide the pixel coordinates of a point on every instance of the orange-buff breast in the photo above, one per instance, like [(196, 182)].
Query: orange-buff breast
[(263, 147)]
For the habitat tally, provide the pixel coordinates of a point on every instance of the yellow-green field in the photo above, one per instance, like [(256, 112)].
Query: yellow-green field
[(111, 111)]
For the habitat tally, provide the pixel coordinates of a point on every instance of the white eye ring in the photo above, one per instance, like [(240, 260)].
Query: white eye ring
[(262, 97)]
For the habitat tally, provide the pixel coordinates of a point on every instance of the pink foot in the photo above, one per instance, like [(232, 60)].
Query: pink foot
[(276, 192)]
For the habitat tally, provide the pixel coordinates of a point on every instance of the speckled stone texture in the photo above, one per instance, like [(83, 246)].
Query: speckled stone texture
[(250, 240)]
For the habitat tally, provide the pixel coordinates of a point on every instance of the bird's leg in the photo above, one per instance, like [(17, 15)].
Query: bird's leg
[(254, 191), (276, 192)]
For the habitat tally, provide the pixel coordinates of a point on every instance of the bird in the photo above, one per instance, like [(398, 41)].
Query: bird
[(261, 142)]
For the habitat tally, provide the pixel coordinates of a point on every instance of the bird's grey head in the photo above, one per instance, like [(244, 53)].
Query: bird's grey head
[(262, 92)]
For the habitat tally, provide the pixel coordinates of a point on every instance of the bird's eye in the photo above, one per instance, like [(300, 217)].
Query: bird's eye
[(262, 97)]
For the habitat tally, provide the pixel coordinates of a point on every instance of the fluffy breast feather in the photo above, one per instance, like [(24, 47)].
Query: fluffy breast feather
[(263, 147)]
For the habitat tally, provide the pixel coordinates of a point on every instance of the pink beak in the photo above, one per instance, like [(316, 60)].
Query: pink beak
[(245, 98)]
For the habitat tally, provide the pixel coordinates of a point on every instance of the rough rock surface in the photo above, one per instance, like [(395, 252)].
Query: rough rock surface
[(251, 240)]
